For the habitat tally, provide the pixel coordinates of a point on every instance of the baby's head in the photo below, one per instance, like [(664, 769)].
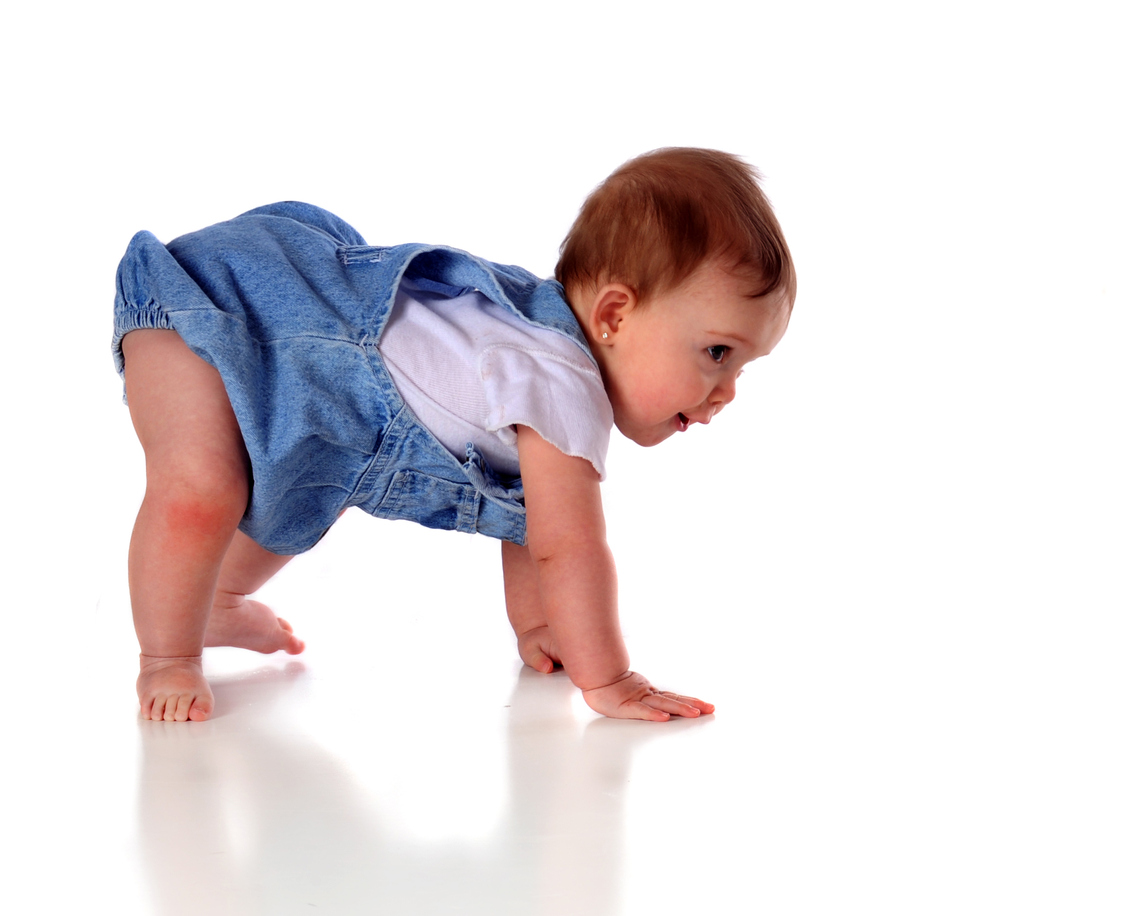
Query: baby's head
[(679, 275)]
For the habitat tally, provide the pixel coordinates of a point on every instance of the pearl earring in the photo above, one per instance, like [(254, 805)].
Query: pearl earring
[(604, 336)]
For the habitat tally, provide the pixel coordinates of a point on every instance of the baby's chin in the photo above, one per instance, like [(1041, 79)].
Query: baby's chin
[(644, 436)]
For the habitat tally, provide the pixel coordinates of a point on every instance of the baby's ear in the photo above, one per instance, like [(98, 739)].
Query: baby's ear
[(613, 303)]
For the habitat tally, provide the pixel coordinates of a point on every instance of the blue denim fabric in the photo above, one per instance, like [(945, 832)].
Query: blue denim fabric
[(288, 303)]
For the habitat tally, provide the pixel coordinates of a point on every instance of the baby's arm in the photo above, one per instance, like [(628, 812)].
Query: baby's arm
[(574, 586), (535, 640)]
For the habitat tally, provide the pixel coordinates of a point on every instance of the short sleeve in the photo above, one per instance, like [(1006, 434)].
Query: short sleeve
[(559, 395)]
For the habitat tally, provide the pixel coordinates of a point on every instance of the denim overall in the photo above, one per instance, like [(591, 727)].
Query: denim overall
[(288, 304)]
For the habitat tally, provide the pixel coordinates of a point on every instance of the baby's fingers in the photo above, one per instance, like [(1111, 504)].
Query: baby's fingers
[(536, 659), (703, 706), (640, 709), (672, 705), (538, 651)]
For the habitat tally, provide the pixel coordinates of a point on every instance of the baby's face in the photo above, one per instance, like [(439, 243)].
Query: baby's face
[(674, 360)]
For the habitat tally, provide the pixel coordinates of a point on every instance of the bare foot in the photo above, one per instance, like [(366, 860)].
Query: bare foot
[(173, 690), (238, 621)]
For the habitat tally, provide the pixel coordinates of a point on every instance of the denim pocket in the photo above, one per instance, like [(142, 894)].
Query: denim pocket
[(431, 501)]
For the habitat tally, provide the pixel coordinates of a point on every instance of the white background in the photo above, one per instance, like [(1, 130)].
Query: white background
[(906, 565)]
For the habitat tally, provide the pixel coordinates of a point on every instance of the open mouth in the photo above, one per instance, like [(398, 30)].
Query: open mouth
[(682, 422)]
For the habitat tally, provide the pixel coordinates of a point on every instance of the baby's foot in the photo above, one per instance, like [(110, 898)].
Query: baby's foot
[(173, 689), (237, 621)]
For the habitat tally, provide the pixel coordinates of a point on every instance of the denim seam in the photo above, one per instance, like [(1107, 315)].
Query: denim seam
[(394, 434), (469, 510)]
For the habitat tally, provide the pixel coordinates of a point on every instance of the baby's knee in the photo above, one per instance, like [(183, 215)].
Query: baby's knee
[(206, 506)]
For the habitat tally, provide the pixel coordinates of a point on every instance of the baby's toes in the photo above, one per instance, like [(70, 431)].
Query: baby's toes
[(182, 706), (200, 710), (171, 709), (292, 645), (159, 709)]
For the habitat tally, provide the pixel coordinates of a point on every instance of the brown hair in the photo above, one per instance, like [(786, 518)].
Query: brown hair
[(659, 216)]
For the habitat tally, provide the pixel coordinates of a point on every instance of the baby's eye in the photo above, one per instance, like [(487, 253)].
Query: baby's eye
[(718, 352)]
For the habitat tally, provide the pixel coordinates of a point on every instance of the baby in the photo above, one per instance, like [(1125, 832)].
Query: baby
[(279, 371)]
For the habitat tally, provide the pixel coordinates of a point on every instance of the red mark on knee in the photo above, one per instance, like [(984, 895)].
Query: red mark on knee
[(194, 519)]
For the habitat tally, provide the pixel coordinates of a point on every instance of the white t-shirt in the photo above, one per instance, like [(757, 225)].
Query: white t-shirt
[(471, 371)]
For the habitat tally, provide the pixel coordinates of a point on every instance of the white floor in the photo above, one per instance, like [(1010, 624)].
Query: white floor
[(891, 741), (906, 565)]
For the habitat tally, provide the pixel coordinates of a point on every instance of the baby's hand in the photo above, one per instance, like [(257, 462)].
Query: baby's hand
[(632, 697), (538, 649)]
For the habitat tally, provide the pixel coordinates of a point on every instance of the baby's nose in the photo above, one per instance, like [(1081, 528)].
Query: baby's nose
[(720, 398)]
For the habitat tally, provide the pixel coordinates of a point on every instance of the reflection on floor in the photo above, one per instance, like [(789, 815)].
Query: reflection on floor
[(268, 819)]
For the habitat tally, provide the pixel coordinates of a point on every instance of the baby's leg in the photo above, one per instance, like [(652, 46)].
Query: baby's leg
[(235, 619), (197, 491)]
